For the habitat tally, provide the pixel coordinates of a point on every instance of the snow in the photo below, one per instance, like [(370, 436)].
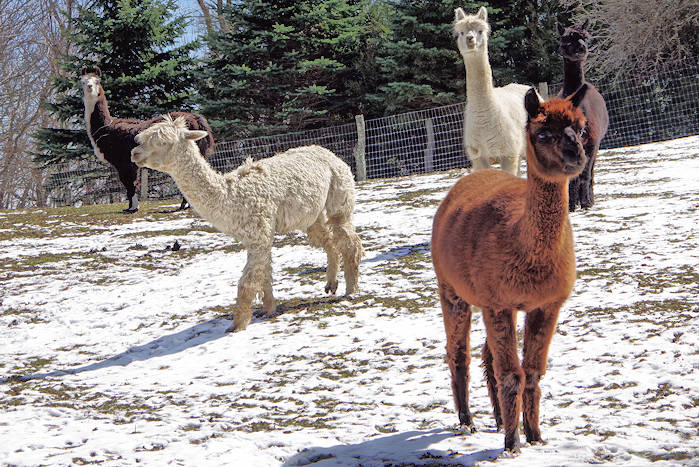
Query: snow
[(113, 350)]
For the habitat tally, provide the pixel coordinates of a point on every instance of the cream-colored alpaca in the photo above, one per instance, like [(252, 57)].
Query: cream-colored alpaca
[(306, 188), (495, 117)]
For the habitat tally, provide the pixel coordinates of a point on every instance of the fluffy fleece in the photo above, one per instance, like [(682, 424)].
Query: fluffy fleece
[(495, 117), (506, 244), (306, 188)]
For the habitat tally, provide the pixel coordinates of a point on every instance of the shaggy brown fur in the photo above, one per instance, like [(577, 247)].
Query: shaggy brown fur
[(115, 138), (505, 244), (573, 46)]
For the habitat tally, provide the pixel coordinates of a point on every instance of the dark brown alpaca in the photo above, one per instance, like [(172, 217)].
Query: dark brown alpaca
[(505, 244), (573, 46), (113, 138)]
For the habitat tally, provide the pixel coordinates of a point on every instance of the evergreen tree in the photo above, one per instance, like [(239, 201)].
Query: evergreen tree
[(525, 47), (420, 66), (145, 70), (279, 66)]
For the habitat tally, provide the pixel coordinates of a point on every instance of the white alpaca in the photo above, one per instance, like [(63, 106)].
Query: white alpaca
[(495, 117), (306, 188)]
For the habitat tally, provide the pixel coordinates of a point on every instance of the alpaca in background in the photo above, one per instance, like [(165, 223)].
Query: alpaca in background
[(307, 188), (113, 138), (494, 118), (505, 244), (573, 46)]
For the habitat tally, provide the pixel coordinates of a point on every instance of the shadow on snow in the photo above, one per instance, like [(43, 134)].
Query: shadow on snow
[(392, 450), (165, 345)]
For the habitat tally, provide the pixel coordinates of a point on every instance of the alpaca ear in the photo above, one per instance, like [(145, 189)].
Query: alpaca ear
[(459, 14), (98, 72), (585, 24), (83, 70), (578, 95), (532, 103), (483, 14), (194, 135), (561, 29)]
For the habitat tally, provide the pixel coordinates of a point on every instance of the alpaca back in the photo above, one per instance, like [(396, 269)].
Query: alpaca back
[(295, 187)]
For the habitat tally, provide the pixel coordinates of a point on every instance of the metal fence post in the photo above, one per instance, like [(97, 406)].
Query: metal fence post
[(544, 90), (360, 148), (429, 149), (144, 183)]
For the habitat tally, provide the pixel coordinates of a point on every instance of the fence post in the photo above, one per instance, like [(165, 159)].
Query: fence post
[(544, 90), (429, 149), (360, 149), (144, 183)]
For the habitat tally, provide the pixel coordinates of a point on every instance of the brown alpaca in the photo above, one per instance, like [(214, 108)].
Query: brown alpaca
[(505, 244)]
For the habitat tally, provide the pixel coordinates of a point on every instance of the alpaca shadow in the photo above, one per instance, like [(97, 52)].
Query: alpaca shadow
[(401, 251), (397, 449), (292, 305), (165, 345)]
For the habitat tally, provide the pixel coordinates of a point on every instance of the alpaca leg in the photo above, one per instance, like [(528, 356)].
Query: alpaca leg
[(320, 237), (350, 246), (510, 164), (573, 193), (492, 384), (129, 178), (587, 198), (269, 303), (184, 204), (250, 284), (457, 323), (478, 161), (501, 334), (539, 327)]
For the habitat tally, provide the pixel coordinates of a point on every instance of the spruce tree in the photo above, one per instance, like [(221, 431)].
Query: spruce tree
[(526, 50), (419, 64), (278, 66), (146, 70)]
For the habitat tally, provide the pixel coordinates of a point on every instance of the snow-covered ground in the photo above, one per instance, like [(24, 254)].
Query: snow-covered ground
[(113, 350)]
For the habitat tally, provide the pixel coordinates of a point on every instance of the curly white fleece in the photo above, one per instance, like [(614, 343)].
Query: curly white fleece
[(307, 188)]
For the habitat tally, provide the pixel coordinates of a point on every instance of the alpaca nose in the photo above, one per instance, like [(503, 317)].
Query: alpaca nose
[(570, 145)]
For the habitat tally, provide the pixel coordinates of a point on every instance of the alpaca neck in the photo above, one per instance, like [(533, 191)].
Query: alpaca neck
[(97, 120), (479, 78), (545, 212), (200, 184), (96, 113), (573, 76)]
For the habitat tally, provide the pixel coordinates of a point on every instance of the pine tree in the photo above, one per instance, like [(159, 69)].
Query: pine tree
[(146, 71), (420, 66), (525, 48), (281, 66)]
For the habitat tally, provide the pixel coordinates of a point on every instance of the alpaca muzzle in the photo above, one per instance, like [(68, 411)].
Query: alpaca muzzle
[(572, 151), (137, 157)]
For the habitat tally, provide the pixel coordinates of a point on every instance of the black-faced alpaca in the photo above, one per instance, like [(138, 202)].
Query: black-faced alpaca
[(113, 138), (505, 244), (573, 46)]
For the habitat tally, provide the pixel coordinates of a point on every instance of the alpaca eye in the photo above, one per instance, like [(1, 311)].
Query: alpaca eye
[(543, 136)]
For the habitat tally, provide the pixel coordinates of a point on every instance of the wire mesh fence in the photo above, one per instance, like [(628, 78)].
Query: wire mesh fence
[(657, 107)]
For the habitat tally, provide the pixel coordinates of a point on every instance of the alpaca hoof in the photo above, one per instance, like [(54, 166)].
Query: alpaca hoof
[(512, 442), (331, 287), (239, 324), (237, 328), (129, 210), (467, 428)]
